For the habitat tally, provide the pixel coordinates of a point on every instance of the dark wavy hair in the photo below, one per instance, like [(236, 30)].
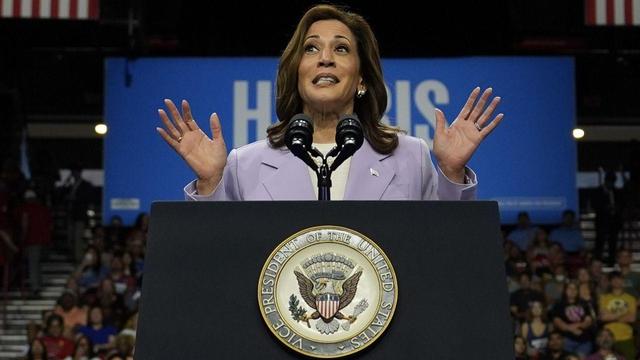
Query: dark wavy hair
[(370, 108), (31, 356)]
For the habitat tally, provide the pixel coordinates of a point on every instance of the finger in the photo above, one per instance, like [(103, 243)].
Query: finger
[(466, 109), (168, 124), (175, 114), (441, 122), (489, 111), (479, 107), (171, 141), (188, 118), (492, 125), (216, 128)]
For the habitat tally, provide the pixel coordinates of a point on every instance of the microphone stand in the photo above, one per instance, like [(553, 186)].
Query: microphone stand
[(299, 137), (323, 173)]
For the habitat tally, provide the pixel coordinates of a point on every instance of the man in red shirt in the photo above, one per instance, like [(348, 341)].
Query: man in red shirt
[(58, 347), (36, 226)]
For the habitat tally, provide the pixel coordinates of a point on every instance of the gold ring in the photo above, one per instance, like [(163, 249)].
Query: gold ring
[(477, 126), (180, 138)]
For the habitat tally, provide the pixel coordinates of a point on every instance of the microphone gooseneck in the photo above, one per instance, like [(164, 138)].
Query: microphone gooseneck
[(299, 140)]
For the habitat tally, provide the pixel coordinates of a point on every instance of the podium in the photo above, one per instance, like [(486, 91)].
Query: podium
[(204, 259)]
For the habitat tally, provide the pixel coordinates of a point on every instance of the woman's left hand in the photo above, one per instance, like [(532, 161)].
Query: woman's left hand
[(453, 146)]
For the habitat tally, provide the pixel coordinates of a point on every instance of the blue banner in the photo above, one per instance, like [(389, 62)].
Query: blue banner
[(527, 164)]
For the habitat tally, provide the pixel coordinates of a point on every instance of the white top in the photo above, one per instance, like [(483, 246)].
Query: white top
[(338, 177)]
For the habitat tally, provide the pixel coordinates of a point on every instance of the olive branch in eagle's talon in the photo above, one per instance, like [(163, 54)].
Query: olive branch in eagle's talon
[(298, 313)]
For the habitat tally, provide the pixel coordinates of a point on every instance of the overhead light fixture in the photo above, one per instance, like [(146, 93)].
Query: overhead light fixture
[(101, 129), (578, 133)]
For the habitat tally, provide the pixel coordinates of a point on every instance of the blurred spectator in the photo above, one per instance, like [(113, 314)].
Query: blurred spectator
[(556, 256), (618, 312), (522, 298), (598, 278), (515, 263), (115, 234), (123, 346), (78, 197), (555, 349), (136, 249), (538, 254), (37, 350), (554, 287), (631, 278), (98, 241), (568, 234), (36, 227), (58, 347), (140, 227), (607, 203), (90, 272), (73, 315), (604, 342), (536, 330), (83, 351), (125, 284), (524, 233), (111, 303), (572, 317), (102, 336), (520, 348)]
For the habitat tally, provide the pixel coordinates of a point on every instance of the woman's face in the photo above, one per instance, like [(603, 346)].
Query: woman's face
[(83, 346), (329, 70), (536, 308), (96, 316), (519, 346), (55, 329), (583, 275)]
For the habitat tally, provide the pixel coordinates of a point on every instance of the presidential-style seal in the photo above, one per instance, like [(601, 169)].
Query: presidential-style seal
[(327, 292)]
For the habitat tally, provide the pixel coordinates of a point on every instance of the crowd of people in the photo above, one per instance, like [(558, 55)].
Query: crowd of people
[(96, 315), (565, 302)]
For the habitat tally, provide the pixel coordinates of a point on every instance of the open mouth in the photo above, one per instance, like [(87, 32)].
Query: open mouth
[(325, 79)]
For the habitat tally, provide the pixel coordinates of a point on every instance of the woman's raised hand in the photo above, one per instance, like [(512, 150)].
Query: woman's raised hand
[(206, 156), (454, 145)]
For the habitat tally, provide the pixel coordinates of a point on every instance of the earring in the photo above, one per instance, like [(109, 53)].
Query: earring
[(360, 93)]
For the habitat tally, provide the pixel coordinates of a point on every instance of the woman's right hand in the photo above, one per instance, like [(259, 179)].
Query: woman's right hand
[(206, 156)]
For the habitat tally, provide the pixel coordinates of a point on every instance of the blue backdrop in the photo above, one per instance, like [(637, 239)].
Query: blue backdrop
[(528, 163)]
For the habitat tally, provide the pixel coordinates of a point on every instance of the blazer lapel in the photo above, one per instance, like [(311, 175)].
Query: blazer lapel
[(289, 178), (369, 176)]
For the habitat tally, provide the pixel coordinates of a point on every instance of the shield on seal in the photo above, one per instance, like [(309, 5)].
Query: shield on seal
[(327, 305)]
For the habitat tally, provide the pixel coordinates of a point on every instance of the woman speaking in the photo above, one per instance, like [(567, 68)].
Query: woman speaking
[(331, 67)]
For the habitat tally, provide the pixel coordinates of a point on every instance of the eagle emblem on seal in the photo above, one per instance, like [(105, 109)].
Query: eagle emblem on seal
[(328, 283)]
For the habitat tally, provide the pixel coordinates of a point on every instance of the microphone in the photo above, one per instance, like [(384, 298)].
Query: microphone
[(349, 138), (299, 138)]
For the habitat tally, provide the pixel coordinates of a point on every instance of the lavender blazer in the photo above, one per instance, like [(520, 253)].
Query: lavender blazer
[(259, 172)]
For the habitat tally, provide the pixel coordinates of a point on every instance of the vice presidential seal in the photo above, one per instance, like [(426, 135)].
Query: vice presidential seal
[(327, 292)]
